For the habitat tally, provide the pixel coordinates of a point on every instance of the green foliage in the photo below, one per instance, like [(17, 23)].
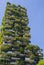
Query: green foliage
[(32, 56), (21, 49), (21, 62), (4, 47), (35, 52), (1, 34), (41, 62)]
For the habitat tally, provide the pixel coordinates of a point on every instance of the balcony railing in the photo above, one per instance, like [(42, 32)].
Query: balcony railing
[(9, 37), (13, 63), (15, 58)]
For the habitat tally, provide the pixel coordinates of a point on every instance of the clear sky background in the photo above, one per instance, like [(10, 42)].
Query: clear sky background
[(35, 12)]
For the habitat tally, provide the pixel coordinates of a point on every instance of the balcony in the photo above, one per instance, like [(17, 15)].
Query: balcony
[(9, 34), (8, 12), (9, 52), (23, 22), (11, 17), (27, 29), (4, 59), (7, 27), (22, 55), (23, 10), (7, 43), (13, 63), (17, 52), (8, 37), (27, 59), (13, 58), (17, 20), (27, 51), (8, 23), (25, 18), (20, 7), (13, 53), (9, 30)]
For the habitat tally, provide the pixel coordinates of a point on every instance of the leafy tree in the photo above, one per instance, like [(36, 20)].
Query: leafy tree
[(41, 62)]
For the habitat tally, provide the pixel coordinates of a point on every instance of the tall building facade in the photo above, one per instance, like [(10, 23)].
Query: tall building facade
[(15, 37)]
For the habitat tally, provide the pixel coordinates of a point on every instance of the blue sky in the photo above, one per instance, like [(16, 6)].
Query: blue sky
[(35, 12)]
